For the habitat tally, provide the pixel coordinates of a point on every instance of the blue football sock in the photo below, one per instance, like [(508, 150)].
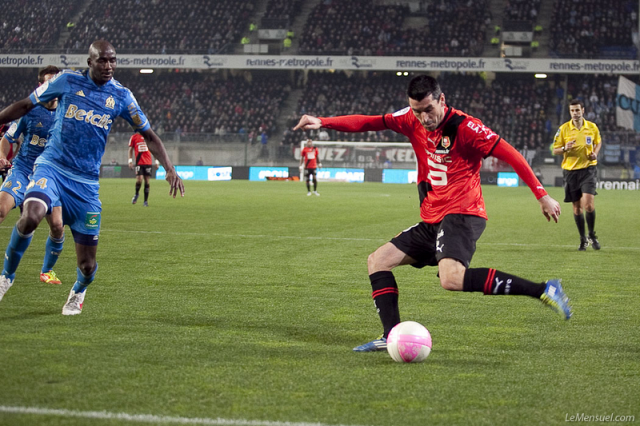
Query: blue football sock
[(83, 281), (52, 251), (18, 244)]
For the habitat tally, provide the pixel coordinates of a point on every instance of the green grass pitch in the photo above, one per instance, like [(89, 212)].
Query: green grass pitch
[(243, 301)]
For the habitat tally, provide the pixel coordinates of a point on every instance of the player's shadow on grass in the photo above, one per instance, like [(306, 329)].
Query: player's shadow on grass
[(30, 315)]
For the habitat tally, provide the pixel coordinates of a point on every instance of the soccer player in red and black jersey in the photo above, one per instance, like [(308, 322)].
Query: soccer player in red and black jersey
[(309, 161), (138, 149), (450, 146)]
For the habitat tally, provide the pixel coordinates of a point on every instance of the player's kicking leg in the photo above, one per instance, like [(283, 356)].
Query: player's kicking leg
[(53, 247), (491, 282)]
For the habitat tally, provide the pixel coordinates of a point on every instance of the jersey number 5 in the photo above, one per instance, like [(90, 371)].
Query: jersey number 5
[(437, 177)]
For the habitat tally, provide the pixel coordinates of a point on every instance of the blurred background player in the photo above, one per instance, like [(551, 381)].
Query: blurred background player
[(9, 156), (450, 146), (67, 172), (309, 162), (579, 142), (34, 128), (139, 150)]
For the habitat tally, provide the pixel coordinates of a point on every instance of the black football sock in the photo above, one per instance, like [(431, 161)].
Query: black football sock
[(146, 192), (308, 186), (385, 297), (591, 221), (579, 218), (138, 185), (315, 185), (494, 282)]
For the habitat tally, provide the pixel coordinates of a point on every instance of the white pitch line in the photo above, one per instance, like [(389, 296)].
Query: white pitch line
[(148, 418), (298, 237)]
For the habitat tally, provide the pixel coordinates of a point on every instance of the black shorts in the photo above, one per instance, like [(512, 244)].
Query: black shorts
[(455, 237), (309, 172), (578, 182), (143, 170)]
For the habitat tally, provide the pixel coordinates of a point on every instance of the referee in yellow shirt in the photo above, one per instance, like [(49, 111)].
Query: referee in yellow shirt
[(578, 140)]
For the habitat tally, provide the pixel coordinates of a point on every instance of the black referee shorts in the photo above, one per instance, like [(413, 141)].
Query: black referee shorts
[(578, 182), (455, 237)]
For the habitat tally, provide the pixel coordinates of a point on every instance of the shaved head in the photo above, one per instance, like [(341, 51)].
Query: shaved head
[(102, 61), (99, 46)]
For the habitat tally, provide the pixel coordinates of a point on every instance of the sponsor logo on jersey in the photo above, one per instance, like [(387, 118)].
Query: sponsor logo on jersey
[(403, 111), (481, 128), (40, 90), (101, 121), (39, 125), (133, 110), (12, 129), (38, 141), (80, 93), (92, 220), (110, 103)]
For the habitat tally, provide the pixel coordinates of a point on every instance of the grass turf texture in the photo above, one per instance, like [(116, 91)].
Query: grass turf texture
[(243, 301)]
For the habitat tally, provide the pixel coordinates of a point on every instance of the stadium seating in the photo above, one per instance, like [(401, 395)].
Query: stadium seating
[(33, 24), (594, 29), (358, 27), (168, 26), (514, 107)]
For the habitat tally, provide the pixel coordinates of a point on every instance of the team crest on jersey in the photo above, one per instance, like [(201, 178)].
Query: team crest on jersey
[(589, 140), (444, 145), (110, 103)]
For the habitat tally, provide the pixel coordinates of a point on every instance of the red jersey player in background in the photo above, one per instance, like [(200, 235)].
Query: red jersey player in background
[(4, 171), (309, 162), (449, 146), (138, 149)]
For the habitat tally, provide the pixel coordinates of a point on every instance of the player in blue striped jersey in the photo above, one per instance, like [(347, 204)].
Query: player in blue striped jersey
[(34, 128), (67, 171)]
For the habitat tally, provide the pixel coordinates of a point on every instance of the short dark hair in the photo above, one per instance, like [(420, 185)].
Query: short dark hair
[(422, 86), (577, 101), (51, 69)]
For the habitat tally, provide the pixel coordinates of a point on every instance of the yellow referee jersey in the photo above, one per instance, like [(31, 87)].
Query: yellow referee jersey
[(586, 139)]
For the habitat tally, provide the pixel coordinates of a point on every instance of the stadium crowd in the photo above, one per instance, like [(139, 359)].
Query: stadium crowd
[(522, 10), (29, 24), (357, 27), (514, 107), (582, 28), (195, 102), (162, 26), (282, 9)]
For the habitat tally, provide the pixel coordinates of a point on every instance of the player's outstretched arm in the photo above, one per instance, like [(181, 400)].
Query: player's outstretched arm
[(505, 152), (16, 110), (308, 122), (157, 149)]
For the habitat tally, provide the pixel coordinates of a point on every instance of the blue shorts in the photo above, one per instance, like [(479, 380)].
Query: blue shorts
[(81, 206), (16, 184)]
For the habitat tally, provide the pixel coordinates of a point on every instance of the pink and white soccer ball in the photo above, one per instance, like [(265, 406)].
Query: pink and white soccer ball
[(409, 341)]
